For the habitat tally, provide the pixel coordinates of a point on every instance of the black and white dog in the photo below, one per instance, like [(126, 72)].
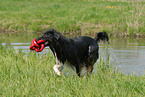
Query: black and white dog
[(78, 52)]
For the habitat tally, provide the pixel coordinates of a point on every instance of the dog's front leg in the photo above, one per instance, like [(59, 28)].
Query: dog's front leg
[(58, 68)]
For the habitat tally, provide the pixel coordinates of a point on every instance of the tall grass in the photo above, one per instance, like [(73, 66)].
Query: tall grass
[(32, 75), (117, 17)]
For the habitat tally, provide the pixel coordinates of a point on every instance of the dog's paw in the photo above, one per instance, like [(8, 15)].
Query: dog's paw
[(58, 73), (56, 70)]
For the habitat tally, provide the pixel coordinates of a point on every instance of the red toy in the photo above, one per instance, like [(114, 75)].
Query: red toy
[(37, 46)]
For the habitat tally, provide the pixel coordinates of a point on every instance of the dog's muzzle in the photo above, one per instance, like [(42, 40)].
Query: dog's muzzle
[(37, 45)]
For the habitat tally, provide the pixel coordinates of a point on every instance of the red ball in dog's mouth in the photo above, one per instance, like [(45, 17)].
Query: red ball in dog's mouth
[(37, 45)]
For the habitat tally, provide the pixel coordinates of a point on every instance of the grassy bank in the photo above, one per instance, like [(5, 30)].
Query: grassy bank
[(117, 17), (32, 75)]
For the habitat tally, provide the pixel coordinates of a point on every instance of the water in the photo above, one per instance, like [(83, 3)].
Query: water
[(127, 54), (130, 59)]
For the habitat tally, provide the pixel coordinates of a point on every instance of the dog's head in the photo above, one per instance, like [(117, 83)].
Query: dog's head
[(50, 37)]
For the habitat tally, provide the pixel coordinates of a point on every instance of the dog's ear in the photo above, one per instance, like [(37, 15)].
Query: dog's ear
[(56, 35), (51, 32), (48, 32)]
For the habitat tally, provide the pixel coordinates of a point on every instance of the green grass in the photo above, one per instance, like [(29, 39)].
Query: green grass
[(32, 75), (117, 17)]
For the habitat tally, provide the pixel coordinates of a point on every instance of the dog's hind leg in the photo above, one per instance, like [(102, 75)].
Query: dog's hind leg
[(93, 55), (89, 70)]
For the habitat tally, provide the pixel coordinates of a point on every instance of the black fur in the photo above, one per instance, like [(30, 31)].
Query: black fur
[(79, 52), (102, 36)]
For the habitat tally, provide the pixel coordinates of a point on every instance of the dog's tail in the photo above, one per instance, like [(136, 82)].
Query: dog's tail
[(102, 36)]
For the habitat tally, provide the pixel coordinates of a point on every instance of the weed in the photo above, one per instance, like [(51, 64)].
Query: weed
[(32, 75)]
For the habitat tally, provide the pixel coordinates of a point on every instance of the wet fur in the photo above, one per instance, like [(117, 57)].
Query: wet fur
[(79, 52)]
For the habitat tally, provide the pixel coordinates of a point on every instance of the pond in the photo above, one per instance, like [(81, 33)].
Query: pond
[(127, 54), (128, 58)]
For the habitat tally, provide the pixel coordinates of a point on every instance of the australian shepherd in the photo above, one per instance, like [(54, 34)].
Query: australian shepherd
[(82, 51)]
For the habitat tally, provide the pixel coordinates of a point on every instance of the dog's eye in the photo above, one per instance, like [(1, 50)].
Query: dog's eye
[(43, 35)]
